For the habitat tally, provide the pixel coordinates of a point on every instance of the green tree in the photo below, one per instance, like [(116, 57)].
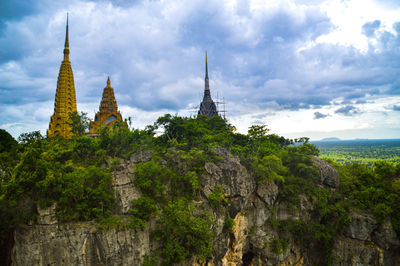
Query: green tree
[(79, 123), (8, 156), (142, 209), (257, 131), (184, 232), (7, 142), (30, 138)]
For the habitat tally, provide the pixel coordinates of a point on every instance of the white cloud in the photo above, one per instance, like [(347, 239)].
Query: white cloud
[(349, 17), (373, 115)]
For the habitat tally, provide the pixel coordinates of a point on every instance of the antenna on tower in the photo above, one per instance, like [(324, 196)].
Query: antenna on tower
[(223, 100)]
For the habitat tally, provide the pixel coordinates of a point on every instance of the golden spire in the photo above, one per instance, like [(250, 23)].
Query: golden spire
[(66, 46), (108, 83), (65, 100)]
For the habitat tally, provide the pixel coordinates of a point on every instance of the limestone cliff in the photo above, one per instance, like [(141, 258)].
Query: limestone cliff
[(252, 206)]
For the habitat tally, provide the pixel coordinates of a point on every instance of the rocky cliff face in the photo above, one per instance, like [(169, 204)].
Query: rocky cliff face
[(251, 205)]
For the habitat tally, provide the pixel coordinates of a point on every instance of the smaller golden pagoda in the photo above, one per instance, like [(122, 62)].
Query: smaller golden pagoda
[(108, 114)]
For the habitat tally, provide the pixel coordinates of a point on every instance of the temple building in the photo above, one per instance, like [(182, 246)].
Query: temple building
[(108, 114), (65, 101), (207, 106)]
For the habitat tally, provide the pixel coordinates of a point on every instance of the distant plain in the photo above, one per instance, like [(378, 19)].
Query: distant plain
[(365, 151)]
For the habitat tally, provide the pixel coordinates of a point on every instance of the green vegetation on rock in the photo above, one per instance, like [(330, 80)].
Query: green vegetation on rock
[(76, 176)]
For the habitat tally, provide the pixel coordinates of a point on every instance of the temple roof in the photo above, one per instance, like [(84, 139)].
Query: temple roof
[(207, 106), (65, 99), (108, 113), (108, 103)]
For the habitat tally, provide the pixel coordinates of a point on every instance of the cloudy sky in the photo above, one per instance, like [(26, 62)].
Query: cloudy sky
[(305, 68)]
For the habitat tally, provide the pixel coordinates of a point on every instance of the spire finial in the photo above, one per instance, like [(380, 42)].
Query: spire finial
[(206, 66), (206, 85), (66, 46), (66, 35), (207, 106), (108, 82)]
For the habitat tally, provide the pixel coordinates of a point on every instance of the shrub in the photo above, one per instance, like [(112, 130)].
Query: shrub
[(150, 177), (279, 245), (217, 196), (141, 211), (184, 232), (229, 224)]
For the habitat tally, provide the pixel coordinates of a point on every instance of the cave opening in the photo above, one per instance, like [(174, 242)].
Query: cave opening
[(247, 258)]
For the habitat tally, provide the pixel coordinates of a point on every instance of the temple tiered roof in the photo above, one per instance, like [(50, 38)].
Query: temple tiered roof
[(65, 100), (207, 106), (108, 113)]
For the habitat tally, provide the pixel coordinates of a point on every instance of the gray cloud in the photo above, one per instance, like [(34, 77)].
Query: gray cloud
[(347, 110), (258, 122), (369, 28), (396, 107), (318, 115), (14, 10)]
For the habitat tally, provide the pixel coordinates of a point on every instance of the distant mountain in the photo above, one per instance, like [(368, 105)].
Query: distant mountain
[(330, 139)]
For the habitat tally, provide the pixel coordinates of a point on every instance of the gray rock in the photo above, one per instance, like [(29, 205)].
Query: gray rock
[(385, 236), (356, 252), (268, 192), (125, 191), (78, 244), (258, 214), (47, 215), (141, 156), (122, 181), (329, 175), (361, 226), (233, 177), (285, 212)]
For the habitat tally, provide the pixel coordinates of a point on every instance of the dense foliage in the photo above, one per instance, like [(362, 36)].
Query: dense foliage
[(376, 189), (363, 188), (76, 176)]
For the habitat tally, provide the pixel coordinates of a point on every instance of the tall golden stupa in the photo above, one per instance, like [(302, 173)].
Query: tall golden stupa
[(65, 102), (108, 114)]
